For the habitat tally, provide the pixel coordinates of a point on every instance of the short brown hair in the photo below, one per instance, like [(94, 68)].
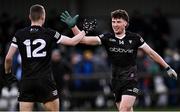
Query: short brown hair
[(36, 12), (120, 14)]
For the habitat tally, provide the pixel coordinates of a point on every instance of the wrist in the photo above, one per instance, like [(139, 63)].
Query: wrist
[(167, 68), (72, 26), (8, 73)]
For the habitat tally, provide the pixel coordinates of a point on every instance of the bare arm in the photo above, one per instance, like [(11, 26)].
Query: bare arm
[(71, 22), (155, 56), (9, 58), (88, 40), (72, 41)]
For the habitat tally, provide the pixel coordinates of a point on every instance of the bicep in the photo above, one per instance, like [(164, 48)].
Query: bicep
[(91, 40), (147, 49)]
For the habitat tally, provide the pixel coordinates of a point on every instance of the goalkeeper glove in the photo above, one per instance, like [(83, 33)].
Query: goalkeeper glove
[(70, 21), (10, 79), (171, 72)]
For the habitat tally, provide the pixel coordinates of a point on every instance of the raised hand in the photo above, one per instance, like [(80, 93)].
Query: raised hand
[(70, 21), (89, 25)]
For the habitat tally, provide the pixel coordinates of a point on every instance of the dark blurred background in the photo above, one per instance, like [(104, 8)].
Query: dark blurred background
[(83, 72)]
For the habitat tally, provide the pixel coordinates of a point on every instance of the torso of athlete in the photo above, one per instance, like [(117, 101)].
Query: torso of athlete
[(122, 53), (34, 44)]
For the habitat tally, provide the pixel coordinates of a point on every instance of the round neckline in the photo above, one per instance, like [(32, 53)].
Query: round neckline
[(121, 37)]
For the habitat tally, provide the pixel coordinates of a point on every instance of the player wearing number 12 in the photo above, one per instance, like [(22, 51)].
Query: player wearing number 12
[(34, 44)]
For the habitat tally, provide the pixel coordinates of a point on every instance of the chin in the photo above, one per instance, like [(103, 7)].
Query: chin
[(117, 32)]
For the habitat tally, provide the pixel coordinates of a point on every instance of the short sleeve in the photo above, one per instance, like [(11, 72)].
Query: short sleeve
[(104, 37), (140, 41), (14, 41), (55, 35)]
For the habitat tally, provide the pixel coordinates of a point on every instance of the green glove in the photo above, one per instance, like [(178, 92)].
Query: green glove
[(70, 21)]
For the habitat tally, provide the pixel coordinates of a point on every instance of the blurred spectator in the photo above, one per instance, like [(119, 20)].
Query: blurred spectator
[(160, 31), (173, 59), (61, 71), (100, 61), (76, 58), (138, 24)]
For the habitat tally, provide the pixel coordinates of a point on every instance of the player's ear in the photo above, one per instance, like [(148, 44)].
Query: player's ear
[(29, 16), (126, 24)]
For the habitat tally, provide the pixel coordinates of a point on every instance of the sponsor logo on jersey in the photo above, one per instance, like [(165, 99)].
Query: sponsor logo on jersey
[(112, 40), (120, 50), (135, 90), (32, 30)]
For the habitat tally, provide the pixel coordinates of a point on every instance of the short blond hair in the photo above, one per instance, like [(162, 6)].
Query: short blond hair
[(36, 12)]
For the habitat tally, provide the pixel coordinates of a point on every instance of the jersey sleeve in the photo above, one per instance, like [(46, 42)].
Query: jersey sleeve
[(14, 41), (56, 36), (104, 38), (140, 41)]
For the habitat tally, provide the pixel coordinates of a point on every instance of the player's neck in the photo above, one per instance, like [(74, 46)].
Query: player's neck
[(121, 35), (36, 24)]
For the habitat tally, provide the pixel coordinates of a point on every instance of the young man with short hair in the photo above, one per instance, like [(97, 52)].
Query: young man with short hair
[(121, 47), (35, 46)]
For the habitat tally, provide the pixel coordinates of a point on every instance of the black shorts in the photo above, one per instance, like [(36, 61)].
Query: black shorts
[(124, 87), (37, 90)]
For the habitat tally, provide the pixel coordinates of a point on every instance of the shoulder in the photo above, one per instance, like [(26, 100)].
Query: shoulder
[(22, 31), (52, 33)]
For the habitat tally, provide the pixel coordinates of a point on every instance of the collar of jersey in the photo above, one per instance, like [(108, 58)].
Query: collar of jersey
[(121, 37)]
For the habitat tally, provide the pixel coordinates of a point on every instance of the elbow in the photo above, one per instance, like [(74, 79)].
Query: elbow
[(8, 59), (151, 55)]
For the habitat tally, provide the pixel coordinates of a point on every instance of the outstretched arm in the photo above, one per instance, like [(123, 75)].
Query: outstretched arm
[(72, 41), (71, 22), (157, 58), (88, 40)]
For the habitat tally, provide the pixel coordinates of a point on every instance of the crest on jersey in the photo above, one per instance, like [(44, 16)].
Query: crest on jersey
[(121, 42), (130, 41)]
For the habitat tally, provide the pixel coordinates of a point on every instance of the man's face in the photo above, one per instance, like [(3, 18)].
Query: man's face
[(118, 25)]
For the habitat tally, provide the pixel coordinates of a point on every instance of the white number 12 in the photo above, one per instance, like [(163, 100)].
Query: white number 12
[(35, 52)]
